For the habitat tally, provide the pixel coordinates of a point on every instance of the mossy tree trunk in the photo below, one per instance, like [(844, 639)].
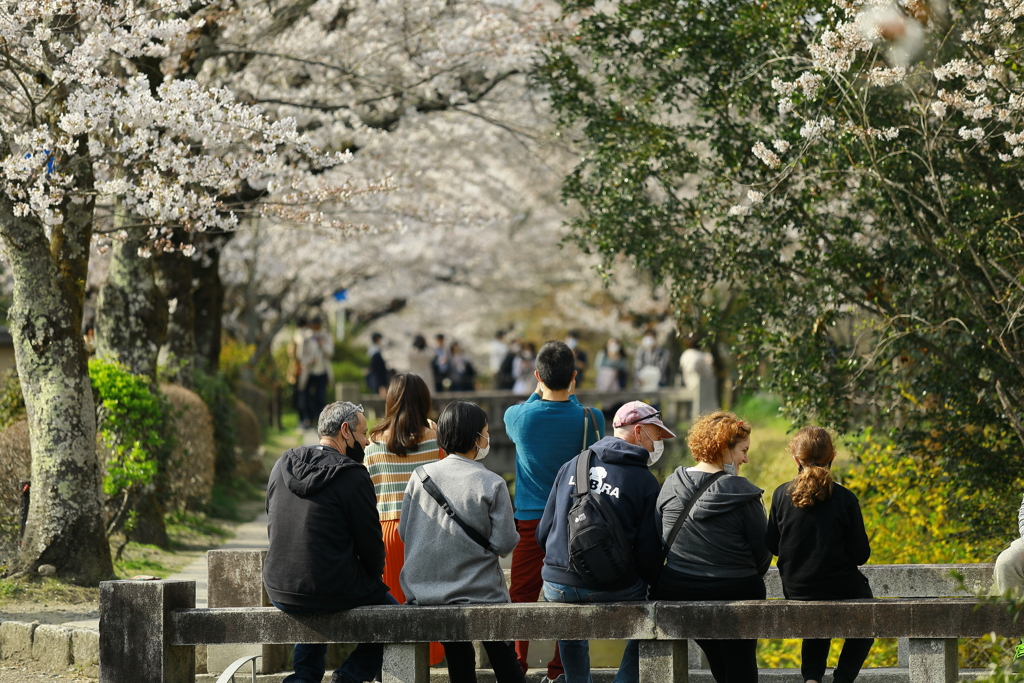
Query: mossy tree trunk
[(65, 521)]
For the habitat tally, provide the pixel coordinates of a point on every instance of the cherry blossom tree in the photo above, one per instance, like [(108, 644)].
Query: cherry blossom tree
[(91, 141)]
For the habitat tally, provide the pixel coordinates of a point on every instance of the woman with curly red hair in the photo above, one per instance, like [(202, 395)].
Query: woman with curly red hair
[(719, 552), (817, 530)]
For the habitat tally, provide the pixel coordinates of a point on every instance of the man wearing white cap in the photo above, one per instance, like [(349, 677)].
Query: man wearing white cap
[(618, 474)]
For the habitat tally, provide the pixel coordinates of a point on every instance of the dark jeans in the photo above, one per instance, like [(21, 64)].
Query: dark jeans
[(814, 652), (316, 397), (731, 661), (462, 662), (309, 660)]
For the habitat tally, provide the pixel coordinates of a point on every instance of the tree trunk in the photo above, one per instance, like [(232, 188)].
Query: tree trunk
[(65, 519), (174, 277), (131, 324), (209, 302), (131, 314)]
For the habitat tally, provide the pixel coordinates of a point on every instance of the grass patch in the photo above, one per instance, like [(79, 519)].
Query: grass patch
[(45, 591), (229, 498)]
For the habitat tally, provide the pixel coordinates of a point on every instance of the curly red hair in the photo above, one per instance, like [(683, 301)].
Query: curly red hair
[(715, 432)]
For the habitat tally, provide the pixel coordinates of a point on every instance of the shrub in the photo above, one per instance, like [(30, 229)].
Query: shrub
[(257, 399), (191, 468), (249, 465), (216, 393)]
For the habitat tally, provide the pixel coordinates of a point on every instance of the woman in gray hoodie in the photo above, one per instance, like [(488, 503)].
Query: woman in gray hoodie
[(445, 563), (719, 553)]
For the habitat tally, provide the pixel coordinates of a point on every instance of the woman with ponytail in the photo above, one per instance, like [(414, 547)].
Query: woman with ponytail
[(816, 529)]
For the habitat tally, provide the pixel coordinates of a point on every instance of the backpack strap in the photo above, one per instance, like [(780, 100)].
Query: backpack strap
[(686, 510), (588, 419), (582, 474), (430, 487)]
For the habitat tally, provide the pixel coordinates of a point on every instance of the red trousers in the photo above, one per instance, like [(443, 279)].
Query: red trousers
[(527, 560)]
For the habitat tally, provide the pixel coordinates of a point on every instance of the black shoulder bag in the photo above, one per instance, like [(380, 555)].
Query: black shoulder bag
[(677, 527), (599, 550), (430, 487)]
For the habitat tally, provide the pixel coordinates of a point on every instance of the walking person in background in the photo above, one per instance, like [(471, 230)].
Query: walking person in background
[(421, 360), (402, 441), (617, 472), (317, 351), (719, 552), (611, 367), (460, 370), (650, 364), (523, 367), (497, 351), (326, 553), (377, 375), (440, 363), (572, 340), (295, 372), (548, 429), (817, 530), (447, 563)]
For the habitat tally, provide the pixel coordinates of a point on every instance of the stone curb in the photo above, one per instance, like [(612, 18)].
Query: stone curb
[(50, 647)]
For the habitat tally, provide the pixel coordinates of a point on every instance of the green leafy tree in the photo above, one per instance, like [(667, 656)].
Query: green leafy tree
[(862, 196)]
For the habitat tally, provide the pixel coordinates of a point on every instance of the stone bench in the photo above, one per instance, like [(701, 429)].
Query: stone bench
[(149, 629), (236, 580)]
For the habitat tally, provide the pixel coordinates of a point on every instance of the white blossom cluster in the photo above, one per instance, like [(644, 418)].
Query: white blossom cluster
[(883, 44), (82, 116)]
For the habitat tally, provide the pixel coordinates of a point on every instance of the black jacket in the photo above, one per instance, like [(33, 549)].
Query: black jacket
[(724, 536), (620, 474), (326, 546), (819, 547)]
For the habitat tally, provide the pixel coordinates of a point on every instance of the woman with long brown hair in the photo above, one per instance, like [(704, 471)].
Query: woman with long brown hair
[(816, 529), (402, 441)]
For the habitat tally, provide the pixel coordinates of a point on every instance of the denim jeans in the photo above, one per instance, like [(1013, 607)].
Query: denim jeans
[(309, 660), (576, 653)]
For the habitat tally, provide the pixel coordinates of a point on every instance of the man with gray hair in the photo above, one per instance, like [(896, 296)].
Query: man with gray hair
[(326, 547)]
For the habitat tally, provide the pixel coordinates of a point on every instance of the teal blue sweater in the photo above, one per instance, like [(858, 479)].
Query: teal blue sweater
[(547, 434)]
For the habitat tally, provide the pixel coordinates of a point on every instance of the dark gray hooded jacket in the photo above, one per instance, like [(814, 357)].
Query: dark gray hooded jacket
[(724, 536)]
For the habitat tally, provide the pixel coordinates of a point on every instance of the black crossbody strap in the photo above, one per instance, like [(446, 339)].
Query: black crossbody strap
[(686, 510), (430, 487)]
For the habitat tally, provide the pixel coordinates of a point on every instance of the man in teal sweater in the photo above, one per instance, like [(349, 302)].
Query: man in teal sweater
[(549, 429)]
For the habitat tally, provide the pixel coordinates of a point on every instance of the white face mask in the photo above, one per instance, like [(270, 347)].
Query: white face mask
[(571, 342), (729, 467), (659, 450), (614, 348), (647, 342), (481, 453)]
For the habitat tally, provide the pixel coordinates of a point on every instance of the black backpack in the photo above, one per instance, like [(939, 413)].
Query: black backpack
[(599, 550)]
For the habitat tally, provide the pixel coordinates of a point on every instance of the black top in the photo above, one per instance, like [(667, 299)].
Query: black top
[(326, 545), (819, 547)]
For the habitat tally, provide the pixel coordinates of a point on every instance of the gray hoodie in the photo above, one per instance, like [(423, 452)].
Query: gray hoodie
[(443, 565), (724, 536)]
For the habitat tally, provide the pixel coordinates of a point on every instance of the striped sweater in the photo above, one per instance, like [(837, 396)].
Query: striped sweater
[(390, 473)]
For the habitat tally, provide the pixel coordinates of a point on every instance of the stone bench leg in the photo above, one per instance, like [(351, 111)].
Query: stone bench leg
[(697, 658), (664, 661), (134, 643), (406, 663), (933, 660)]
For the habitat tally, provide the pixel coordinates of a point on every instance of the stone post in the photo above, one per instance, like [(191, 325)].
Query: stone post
[(235, 579), (406, 663), (696, 655), (664, 661), (134, 620), (933, 660)]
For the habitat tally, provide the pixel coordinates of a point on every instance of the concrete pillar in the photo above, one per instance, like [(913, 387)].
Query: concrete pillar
[(235, 579), (406, 663), (697, 658), (933, 660), (663, 661), (134, 638), (903, 652)]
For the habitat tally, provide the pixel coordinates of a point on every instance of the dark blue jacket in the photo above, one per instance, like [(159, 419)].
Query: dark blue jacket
[(620, 474)]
